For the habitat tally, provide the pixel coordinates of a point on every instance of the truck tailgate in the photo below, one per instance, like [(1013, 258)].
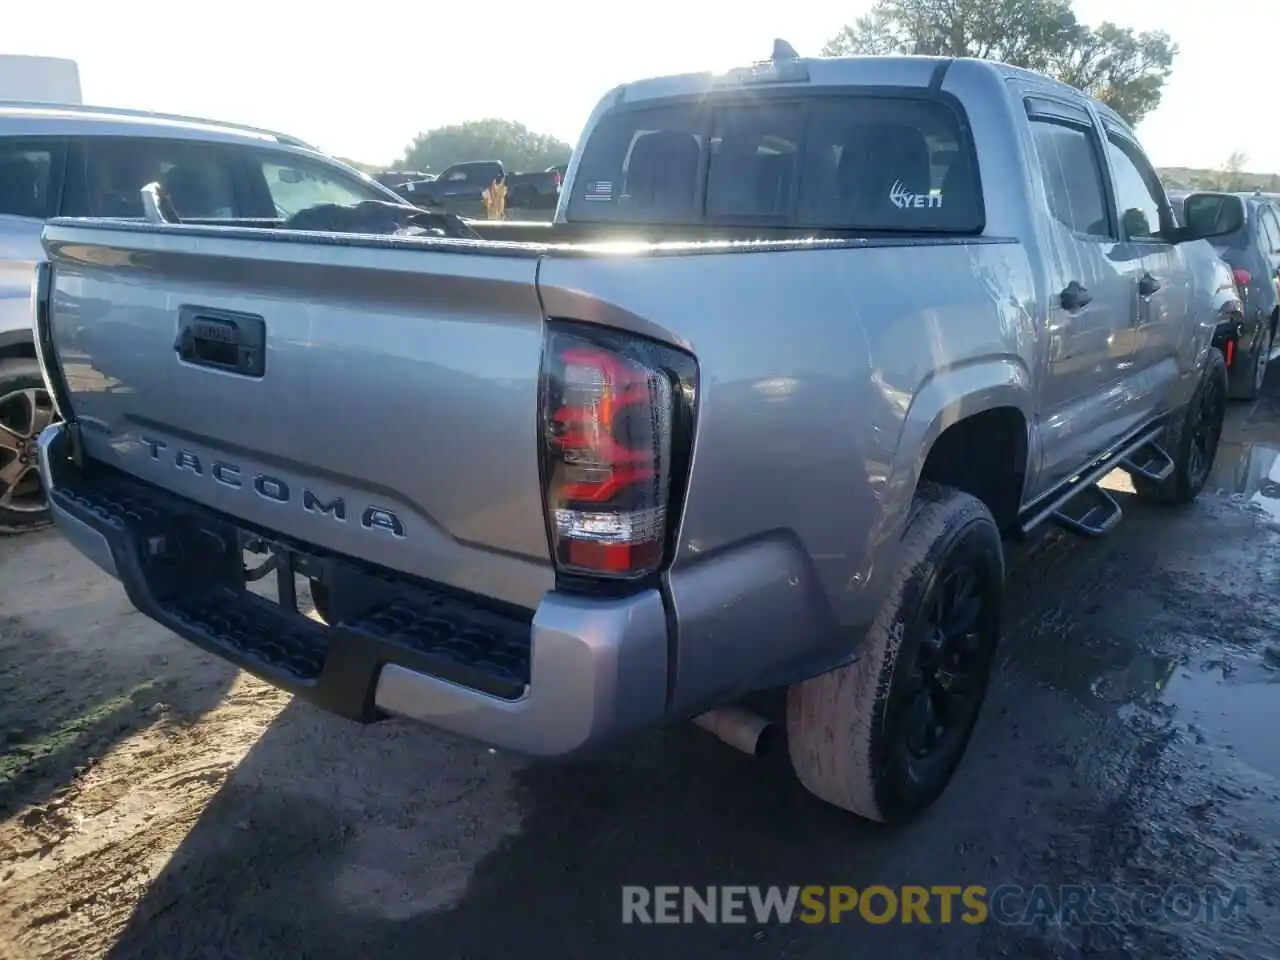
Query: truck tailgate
[(373, 398)]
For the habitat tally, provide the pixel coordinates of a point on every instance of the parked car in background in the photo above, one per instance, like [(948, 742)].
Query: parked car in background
[(1253, 254), (458, 188), (73, 160), (551, 495)]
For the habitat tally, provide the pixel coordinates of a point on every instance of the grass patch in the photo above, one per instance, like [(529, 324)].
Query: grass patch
[(19, 759)]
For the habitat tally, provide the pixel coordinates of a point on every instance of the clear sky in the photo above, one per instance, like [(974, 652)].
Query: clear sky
[(360, 80)]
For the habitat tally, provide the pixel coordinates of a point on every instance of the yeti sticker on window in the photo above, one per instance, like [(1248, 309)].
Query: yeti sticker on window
[(905, 200)]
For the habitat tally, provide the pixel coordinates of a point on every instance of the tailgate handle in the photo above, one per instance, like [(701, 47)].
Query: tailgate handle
[(222, 340)]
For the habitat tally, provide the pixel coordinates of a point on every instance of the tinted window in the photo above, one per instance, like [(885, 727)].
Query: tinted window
[(27, 182), (895, 164), (296, 184), (1069, 166), (862, 163), (642, 165), (1137, 191), (484, 173), (752, 163), (1271, 230), (198, 177)]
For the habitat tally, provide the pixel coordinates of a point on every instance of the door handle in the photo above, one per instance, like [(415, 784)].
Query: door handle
[(1148, 285), (1074, 297)]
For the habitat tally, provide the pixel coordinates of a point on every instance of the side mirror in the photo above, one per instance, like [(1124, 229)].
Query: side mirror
[(1209, 215), (289, 175)]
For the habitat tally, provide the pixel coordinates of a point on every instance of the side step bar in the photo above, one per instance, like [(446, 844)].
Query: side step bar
[(1084, 508), (1149, 462), (1092, 512)]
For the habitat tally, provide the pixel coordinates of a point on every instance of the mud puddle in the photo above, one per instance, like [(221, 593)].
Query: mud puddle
[(1248, 472), (1176, 631), (1231, 705), (1225, 701)]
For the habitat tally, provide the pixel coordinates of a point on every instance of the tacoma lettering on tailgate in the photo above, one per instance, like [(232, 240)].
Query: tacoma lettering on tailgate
[(273, 489)]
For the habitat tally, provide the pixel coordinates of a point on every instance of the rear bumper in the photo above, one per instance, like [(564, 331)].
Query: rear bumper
[(580, 673)]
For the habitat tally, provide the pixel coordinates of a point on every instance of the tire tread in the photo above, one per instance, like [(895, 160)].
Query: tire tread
[(833, 718)]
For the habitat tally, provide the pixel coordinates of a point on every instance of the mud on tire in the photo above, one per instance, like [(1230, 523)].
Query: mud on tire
[(1200, 423), (849, 731)]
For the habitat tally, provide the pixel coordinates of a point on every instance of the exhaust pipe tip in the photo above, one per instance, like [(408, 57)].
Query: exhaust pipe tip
[(739, 728)]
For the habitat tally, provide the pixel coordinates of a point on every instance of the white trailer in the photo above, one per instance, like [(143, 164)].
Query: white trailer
[(39, 79)]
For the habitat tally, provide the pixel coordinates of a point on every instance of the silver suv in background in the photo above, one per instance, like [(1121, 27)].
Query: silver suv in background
[(72, 160)]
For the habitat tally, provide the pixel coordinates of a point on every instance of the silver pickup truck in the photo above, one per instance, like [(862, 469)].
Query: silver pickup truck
[(805, 344)]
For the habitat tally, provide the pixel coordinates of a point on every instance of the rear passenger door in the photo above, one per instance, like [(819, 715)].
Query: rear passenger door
[(1090, 288), (1161, 277), (106, 174)]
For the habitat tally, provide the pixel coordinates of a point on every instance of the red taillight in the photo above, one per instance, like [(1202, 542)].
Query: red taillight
[(1242, 277), (557, 175), (611, 409)]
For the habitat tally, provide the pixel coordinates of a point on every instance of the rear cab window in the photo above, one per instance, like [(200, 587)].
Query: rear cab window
[(857, 161)]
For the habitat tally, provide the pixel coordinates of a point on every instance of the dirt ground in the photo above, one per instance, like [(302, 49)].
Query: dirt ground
[(156, 803)]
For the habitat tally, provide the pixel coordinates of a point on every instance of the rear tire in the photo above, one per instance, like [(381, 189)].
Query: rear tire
[(25, 410), (1192, 439), (860, 736)]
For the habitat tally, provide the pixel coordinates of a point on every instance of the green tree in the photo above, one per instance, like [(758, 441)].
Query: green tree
[(1123, 69), (520, 149)]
